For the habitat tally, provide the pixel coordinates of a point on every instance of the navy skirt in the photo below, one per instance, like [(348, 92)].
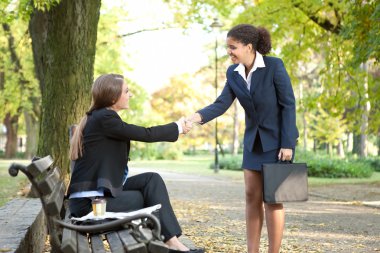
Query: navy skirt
[(253, 160)]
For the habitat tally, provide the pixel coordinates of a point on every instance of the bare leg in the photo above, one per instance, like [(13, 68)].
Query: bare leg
[(174, 243), (254, 209), (275, 220)]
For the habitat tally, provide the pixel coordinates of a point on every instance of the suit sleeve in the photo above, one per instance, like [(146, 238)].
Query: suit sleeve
[(286, 100), (115, 127), (220, 106)]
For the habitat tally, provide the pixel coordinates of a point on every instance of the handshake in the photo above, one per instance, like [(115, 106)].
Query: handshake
[(187, 122)]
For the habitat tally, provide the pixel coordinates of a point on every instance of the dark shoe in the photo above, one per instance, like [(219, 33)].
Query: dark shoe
[(189, 251)]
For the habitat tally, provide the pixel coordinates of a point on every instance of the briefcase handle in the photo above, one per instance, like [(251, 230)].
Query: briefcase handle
[(285, 162)]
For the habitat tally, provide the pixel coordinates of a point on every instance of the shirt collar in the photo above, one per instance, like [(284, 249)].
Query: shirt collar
[(259, 63)]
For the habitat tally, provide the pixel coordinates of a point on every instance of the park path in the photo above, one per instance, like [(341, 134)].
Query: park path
[(211, 212)]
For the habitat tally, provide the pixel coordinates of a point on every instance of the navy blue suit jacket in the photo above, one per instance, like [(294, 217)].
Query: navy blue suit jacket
[(269, 105)]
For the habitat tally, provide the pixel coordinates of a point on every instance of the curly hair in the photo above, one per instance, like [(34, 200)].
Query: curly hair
[(259, 37)]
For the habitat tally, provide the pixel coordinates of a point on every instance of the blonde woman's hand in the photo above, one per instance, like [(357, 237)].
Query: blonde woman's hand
[(185, 125)]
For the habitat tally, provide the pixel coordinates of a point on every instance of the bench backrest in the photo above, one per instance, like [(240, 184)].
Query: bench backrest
[(46, 180)]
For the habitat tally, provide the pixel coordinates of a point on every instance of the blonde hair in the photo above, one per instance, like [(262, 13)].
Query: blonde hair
[(106, 90)]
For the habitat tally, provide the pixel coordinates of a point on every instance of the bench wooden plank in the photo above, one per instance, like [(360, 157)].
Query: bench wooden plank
[(114, 241), (39, 166), (69, 237), (82, 241), (47, 184), (130, 242), (97, 243), (158, 247), (69, 241), (55, 200)]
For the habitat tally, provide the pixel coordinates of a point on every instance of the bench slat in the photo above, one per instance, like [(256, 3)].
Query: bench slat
[(130, 242), (46, 185), (69, 241), (82, 243), (39, 166), (55, 200), (158, 247), (114, 242), (97, 243)]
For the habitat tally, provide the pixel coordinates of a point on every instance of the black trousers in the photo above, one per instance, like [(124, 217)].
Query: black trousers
[(142, 190)]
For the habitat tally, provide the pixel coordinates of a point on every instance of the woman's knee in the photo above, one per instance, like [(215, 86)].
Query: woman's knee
[(155, 177), (274, 207), (253, 197)]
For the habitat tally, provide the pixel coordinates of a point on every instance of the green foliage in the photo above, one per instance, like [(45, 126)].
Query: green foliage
[(203, 12), (229, 162), (20, 91), (331, 134), (324, 166), (154, 151), (44, 5), (363, 28), (373, 161), (323, 45), (319, 165)]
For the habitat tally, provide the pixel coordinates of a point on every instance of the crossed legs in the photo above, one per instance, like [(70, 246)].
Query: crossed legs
[(274, 215)]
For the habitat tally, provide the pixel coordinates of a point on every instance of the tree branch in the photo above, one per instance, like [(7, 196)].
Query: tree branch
[(138, 31), (322, 22)]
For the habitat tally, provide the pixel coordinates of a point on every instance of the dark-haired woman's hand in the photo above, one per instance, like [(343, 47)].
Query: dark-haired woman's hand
[(285, 154)]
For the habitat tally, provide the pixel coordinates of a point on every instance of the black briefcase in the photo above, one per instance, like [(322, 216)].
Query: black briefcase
[(284, 182)]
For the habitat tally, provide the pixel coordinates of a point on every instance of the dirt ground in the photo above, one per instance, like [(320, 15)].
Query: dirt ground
[(211, 212)]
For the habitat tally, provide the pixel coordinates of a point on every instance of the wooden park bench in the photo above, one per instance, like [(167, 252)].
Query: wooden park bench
[(143, 235)]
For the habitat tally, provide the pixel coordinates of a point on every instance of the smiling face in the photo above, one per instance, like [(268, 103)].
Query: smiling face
[(238, 52), (123, 101)]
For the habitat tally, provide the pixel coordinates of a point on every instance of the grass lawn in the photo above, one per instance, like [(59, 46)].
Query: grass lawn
[(196, 165), (9, 186)]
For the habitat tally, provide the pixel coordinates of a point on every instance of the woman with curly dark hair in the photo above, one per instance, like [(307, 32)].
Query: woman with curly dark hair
[(263, 88)]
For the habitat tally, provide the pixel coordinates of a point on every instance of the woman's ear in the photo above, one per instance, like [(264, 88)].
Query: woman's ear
[(250, 47)]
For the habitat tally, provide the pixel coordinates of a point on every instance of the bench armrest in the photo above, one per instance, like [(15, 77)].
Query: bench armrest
[(113, 225)]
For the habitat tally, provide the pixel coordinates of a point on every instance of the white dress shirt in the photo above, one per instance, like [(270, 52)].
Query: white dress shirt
[(259, 63)]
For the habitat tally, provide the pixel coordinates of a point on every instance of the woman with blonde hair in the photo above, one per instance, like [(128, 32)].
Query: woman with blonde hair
[(100, 148)]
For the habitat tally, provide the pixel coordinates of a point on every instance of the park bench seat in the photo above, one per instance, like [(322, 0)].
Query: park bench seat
[(122, 235)]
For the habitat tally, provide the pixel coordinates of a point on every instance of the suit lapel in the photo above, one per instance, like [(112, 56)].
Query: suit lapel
[(241, 83), (245, 98), (257, 77)]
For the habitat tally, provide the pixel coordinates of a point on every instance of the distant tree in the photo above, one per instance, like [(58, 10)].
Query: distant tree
[(19, 90)]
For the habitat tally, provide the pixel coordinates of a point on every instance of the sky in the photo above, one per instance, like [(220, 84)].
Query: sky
[(155, 56)]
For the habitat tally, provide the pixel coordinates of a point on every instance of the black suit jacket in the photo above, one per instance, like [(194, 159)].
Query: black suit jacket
[(106, 142), (269, 105)]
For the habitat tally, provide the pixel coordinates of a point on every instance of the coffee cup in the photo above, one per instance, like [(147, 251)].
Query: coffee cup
[(99, 206)]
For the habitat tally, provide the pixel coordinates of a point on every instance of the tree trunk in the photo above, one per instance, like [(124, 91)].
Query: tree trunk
[(63, 42), (304, 131), (235, 139), (11, 124), (31, 125), (340, 149), (366, 111), (304, 122), (356, 144)]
